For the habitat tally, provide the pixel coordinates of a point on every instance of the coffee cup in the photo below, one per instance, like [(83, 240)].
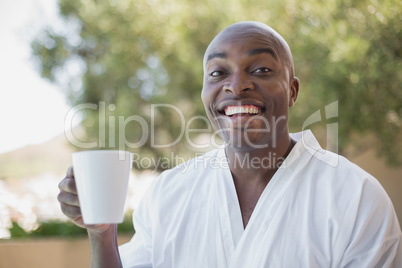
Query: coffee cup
[(101, 178)]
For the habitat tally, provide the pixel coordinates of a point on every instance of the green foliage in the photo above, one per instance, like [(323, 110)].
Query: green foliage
[(57, 228), (51, 228), (133, 53), (17, 231)]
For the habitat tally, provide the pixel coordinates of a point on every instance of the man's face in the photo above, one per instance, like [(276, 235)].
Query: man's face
[(248, 90)]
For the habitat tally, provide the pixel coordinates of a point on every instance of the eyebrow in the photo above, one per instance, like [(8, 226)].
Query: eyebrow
[(250, 53), (261, 51), (217, 55)]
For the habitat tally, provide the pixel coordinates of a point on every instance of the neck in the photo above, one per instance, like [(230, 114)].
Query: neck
[(258, 165)]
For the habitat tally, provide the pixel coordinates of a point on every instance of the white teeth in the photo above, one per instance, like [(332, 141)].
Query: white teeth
[(247, 109)]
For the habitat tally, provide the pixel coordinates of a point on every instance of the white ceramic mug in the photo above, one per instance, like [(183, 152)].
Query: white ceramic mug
[(102, 178)]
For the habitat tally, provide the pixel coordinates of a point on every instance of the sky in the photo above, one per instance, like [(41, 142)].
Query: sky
[(32, 110)]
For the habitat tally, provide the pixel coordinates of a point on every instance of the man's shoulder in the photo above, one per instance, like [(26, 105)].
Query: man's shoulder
[(344, 178), (201, 162), (194, 171), (322, 161), (339, 166)]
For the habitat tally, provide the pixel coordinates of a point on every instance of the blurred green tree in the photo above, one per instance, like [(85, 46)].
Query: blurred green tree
[(59, 228), (129, 54)]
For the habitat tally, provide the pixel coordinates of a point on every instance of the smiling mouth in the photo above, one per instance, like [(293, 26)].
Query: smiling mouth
[(241, 110)]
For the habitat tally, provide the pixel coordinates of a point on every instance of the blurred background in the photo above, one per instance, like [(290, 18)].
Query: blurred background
[(125, 55)]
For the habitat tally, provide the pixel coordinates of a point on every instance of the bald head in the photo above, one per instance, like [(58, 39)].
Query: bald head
[(253, 29)]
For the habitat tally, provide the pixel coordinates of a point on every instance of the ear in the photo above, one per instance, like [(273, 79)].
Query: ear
[(294, 91)]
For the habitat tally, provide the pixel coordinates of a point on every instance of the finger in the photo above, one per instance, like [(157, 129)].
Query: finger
[(70, 172), (68, 198), (68, 185), (73, 212)]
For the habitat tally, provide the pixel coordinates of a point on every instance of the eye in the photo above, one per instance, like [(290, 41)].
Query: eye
[(262, 70), (216, 73)]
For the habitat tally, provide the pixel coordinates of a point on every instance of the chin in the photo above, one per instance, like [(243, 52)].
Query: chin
[(246, 145)]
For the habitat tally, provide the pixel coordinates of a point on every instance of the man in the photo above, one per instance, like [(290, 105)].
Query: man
[(305, 207)]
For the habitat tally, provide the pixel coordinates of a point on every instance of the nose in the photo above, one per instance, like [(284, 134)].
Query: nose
[(238, 84)]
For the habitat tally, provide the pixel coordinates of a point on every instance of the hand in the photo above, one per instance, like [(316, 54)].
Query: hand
[(70, 206)]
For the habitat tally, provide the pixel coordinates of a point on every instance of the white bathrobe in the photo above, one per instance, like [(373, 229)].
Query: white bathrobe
[(318, 210)]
